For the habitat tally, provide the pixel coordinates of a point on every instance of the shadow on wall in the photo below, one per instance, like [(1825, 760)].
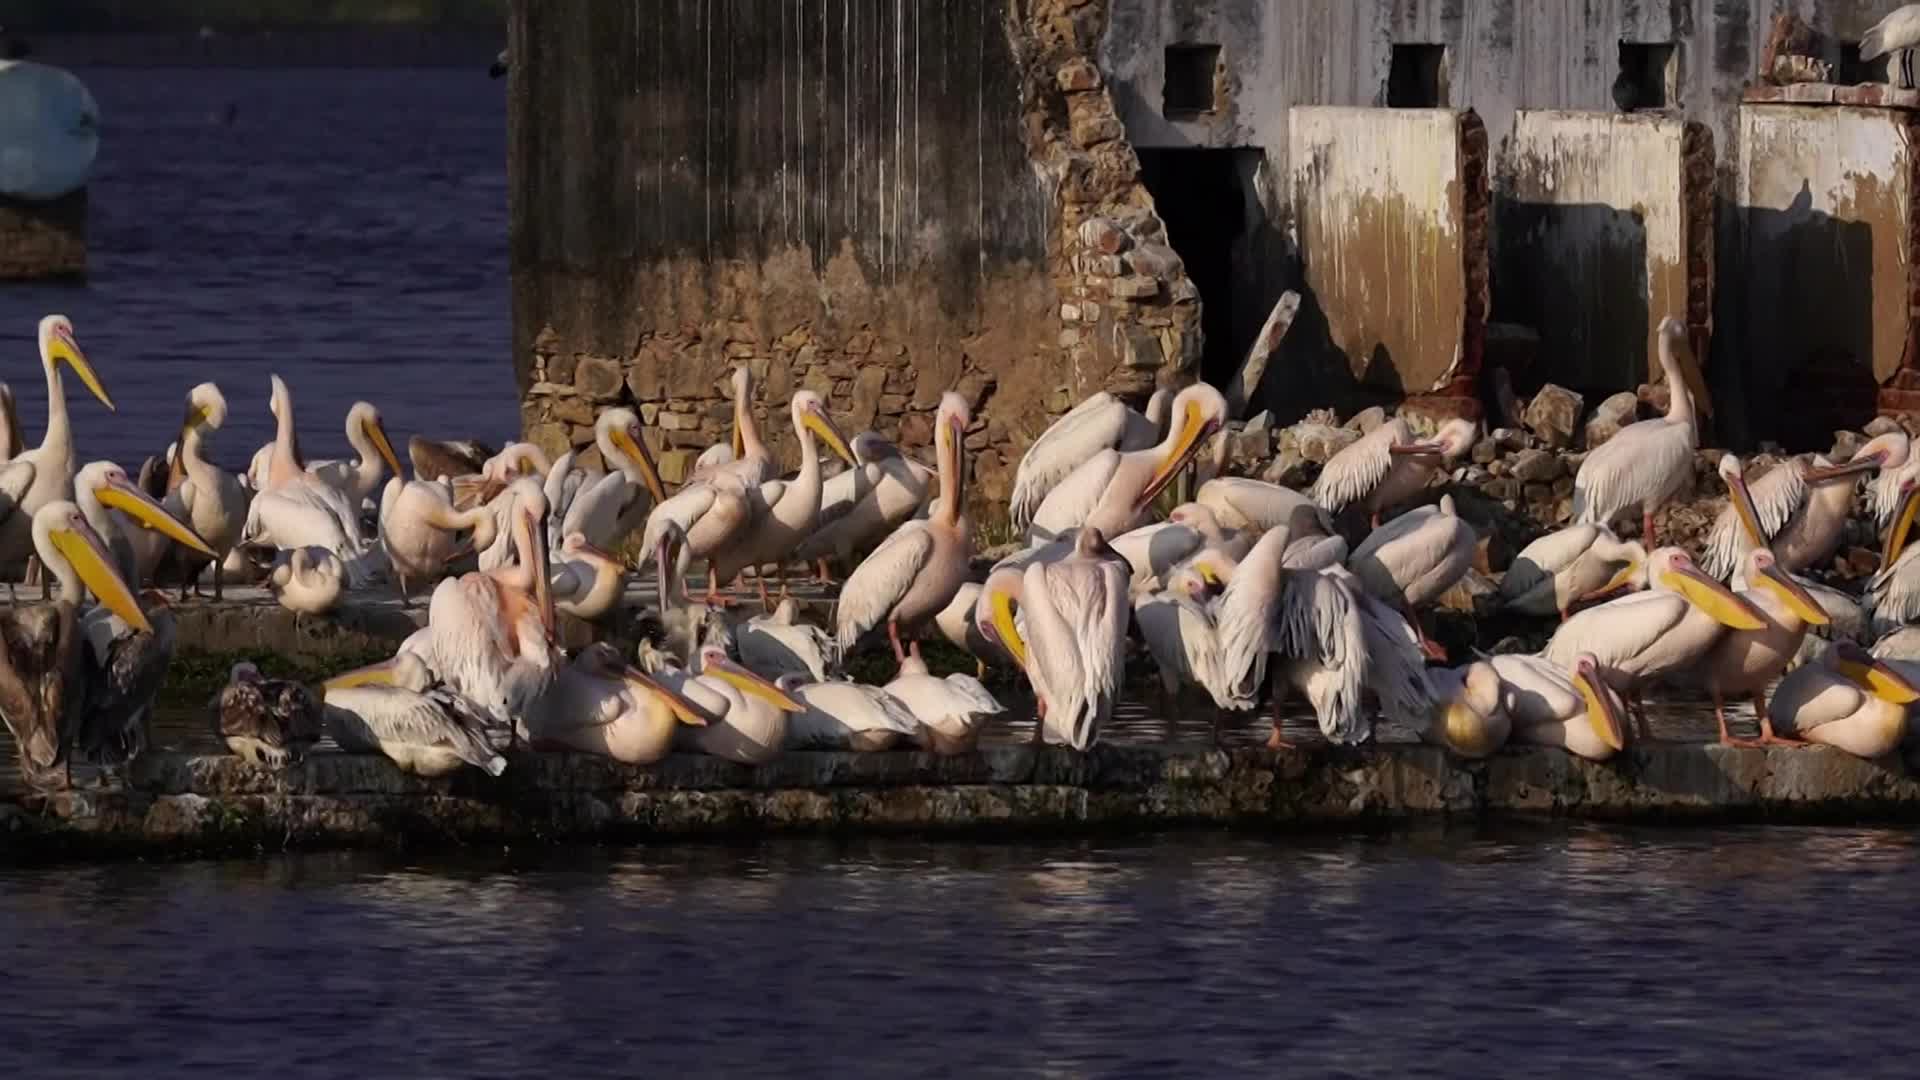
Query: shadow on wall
[(1807, 360), (1577, 275), (1311, 371)]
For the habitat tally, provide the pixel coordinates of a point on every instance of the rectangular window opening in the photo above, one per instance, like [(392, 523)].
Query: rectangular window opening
[(1189, 85), (1852, 71), (1418, 77), (1649, 76)]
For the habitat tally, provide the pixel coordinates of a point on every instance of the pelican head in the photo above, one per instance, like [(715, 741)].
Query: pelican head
[(1889, 451), (810, 412), (715, 662), (1671, 570), (742, 401), (206, 408), (994, 612), (619, 429), (1603, 711), (1763, 572), (530, 538), (949, 440), (1198, 412), (1469, 717), (109, 484), (57, 345), (1741, 499), (278, 399), (62, 536), (1874, 675), (365, 419)]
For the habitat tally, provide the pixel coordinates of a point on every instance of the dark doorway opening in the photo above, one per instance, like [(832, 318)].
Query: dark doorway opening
[(1206, 199), (1417, 77), (1649, 75)]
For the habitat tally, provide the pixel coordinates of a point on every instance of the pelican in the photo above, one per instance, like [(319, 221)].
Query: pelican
[(607, 509), (1112, 490), (1413, 559), (271, 722), (514, 461), (600, 705), (1240, 503), (1893, 593), (1467, 717), (1898, 32), (12, 435), (115, 506), (1155, 550), (1667, 629), (1103, 422), (1554, 572), (1178, 627), (1388, 465), (686, 626), (419, 528), (704, 516), (44, 474), (1848, 700), (1648, 462), (307, 579), (293, 508), (780, 644), (951, 711), (747, 716), (1746, 661), (396, 708), (886, 491), (846, 716), (1798, 511), (43, 693), (1571, 707), (360, 478), (435, 459), (913, 575), (1073, 637), (785, 512), (208, 498), (748, 458), (587, 582)]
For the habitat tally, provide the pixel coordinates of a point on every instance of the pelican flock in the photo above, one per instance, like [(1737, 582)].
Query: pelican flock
[(1250, 594)]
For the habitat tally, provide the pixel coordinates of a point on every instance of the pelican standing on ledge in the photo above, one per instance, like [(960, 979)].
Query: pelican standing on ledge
[(1112, 490), (1388, 466), (1413, 559), (45, 474), (208, 498), (1797, 510), (1102, 422), (785, 511), (605, 510), (888, 489), (748, 458), (1648, 462), (360, 478), (913, 575), (1746, 661), (419, 526), (1074, 616)]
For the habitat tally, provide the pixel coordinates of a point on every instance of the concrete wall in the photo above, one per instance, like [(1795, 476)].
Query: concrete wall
[(43, 239), (1384, 203), (1605, 227)]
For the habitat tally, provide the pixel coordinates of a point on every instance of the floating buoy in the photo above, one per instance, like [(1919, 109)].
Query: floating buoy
[(49, 131)]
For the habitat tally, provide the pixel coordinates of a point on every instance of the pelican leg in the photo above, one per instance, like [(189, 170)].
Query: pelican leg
[(714, 599), (1767, 737), (1039, 722), (1646, 528), (766, 603), (893, 635), (1276, 740), (1720, 715), (823, 577)]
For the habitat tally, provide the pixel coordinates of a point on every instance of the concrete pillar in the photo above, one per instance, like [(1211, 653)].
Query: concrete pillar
[(40, 240)]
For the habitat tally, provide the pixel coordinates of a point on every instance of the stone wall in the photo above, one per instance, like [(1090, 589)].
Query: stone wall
[(43, 239)]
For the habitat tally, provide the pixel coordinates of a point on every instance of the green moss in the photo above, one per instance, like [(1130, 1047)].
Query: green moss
[(194, 676)]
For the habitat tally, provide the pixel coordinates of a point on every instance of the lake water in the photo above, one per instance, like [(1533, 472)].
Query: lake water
[(344, 228), (1582, 952)]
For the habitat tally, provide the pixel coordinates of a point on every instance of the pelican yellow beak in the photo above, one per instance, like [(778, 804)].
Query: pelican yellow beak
[(1008, 630), (141, 507), (1195, 427), (1794, 595), (377, 674), (64, 348), (636, 449), (1881, 678), (1901, 528), (1601, 714), (1713, 598), (1621, 579), (542, 570), (1741, 500), (739, 440), (1207, 573), (377, 433), (196, 415), (87, 554), (683, 710), (748, 683), (821, 425)]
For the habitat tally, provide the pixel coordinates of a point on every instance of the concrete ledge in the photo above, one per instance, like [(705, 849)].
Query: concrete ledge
[(181, 804), (1862, 95)]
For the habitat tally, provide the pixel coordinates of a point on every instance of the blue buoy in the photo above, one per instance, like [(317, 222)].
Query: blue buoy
[(49, 131)]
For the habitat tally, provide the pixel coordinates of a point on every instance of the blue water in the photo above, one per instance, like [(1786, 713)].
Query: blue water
[(346, 229)]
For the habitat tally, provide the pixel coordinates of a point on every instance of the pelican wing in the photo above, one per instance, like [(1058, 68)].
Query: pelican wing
[(1096, 424), (1240, 502), (1154, 550), (1893, 594), (881, 580), (1394, 555), (35, 648), (1540, 561), (120, 681), (1358, 468), (1899, 30), (772, 649), (1645, 461), (971, 695), (1315, 553), (370, 715), (1073, 500), (16, 477), (1616, 631), (1320, 622), (1778, 498), (1397, 670), (597, 509)]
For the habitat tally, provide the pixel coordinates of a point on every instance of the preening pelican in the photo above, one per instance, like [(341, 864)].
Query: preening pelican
[(886, 491), (396, 708), (749, 459), (1898, 32), (685, 625), (1112, 490), (785, 512), (746, 715), (515, 461), (1554, 572), (706, 515), (360, 478), (1467, 718), (1102, 422), (1155, 550), (1413, 559), (307, 579), (1571, 707), (913, 575), (1746, 661), (292, 508), (1177, 625), (1641, 637), (44, 474), (1893, 593), (1648, 462), (12, 435), (1388, 466), (846, 716), (587, 582), (419, 528), (951, 711), (207, 497), (270, 722), (43, 694), (1073, 633), (435, 459), (608, 508), (781, 644), (1848, 699), (1797, 510), (600, 705), (1240, 503)]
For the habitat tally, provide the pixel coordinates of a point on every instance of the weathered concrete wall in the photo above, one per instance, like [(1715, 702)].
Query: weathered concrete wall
[(211, 804), (1390, 207), (1605, 224), (1827, 202), (877, 200), (43, 239)]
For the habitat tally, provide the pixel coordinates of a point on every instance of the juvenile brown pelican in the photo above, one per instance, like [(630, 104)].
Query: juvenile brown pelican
[(271, 722), (1102, 422), (1647, 463), (1112, 490), (45, 474), (1389, 466), (396, 708)]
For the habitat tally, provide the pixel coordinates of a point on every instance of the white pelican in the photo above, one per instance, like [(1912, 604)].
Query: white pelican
[(748, 458), (1669, 628), (780, 643), (12, 435), (887, 490), (293, 508), (746, 715), (360, 478), (600, 705), (846, 716), (1798, 510), (1100, 423), (1112, 490), (44, 474), (1898, 32), (514, 461), (1648, 462), (116, 507), (396, 708), (1413, 559), (307, 579), (1746, 661), (951, 711), (1467, 717), (608, 508), (785, 512), (1893, 593), (1571, 707), (1848, 699), (1554, 572), (1241, 503), (1073, 633), (1177, 625), (913, 575), (1388, 466), (1155, 550), (43, 693), (587, 582), (207, 497), (419, 529), (704, 516), (685, 624), (270, 722)]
